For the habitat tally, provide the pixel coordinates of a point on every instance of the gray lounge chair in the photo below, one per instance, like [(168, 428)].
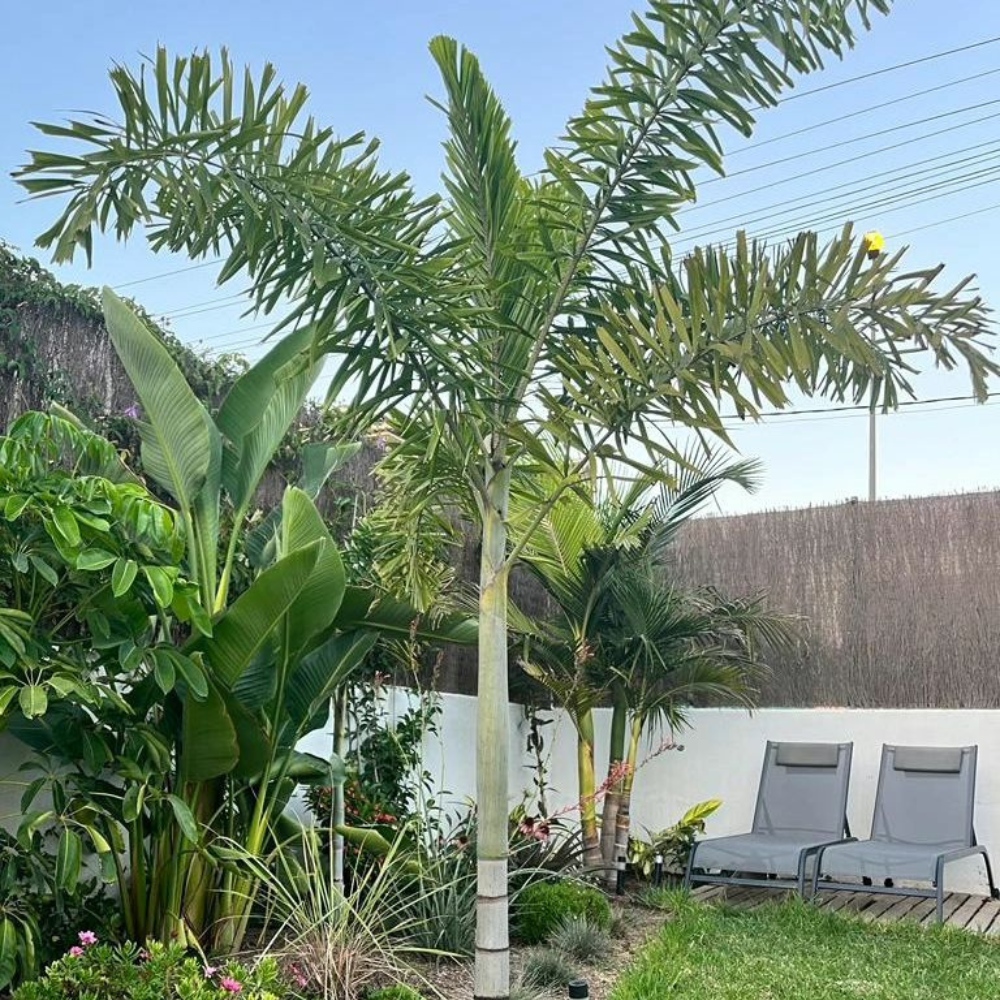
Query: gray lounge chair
[(923, 821), (801, 807)]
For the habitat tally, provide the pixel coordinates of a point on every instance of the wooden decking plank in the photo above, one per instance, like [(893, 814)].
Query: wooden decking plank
[(923, 909), (901, 909), (858, 902), (969, 908), (878, 906), (703, 893), (839, 900), (985, 916)]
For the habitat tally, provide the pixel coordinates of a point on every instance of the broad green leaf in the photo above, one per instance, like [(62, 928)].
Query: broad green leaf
[(308, 769), (34, 700), (133, 802), (192, 670), (45, 571), (163, 670), (123, 576), (321, 672), (241, 631), (257, 414), (8, 951), (7, 695), (68, 860), (318, 603), (66, 525), (176, 447), (185, 818), (162, 584), (209, 748), (94, 559)]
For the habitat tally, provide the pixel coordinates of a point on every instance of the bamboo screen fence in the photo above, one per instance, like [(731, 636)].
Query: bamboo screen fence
[(901, 598)]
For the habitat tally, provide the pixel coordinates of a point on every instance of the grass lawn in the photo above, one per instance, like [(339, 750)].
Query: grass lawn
[(793, 951)]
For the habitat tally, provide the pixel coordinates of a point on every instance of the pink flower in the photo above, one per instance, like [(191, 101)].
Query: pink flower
[(210, 970), (231, 985), (76, 951), (87, 938)]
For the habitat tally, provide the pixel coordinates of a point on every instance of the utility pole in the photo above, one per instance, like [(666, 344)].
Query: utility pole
[(874, 244), (872, 462)]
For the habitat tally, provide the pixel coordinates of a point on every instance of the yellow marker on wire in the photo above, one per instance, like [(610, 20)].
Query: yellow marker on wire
[(874, 243)]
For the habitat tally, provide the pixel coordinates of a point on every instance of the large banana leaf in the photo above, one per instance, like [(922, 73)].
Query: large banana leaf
[(396, 619), (317, 675), (319, 601), (241, 631), (176, 448), (256, 416), (209, 747)]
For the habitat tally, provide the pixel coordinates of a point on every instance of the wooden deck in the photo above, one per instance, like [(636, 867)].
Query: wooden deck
[(974, 913)]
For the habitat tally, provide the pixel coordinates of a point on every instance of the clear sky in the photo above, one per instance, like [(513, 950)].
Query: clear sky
[(929, 153)]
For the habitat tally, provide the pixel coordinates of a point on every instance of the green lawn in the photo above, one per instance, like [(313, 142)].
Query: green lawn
[(795, 952)]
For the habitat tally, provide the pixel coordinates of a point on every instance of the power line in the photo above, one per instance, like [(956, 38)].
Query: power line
[(887, 69), (864, 186), (944, 222), (861, 111), (861, 138), (167, 274), (885, 206), (859, 410)]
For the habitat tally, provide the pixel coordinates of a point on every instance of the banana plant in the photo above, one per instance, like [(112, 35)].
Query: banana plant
[(226, 686)]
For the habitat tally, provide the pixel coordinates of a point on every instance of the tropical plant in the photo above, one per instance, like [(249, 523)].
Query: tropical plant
[(673, 845), (618, 633), (517, 307), (218, 691)]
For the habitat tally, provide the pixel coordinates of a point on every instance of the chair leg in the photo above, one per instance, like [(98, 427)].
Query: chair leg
[(994, 892), (689, 870)]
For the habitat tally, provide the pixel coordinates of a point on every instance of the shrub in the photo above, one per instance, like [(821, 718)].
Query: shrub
[(580, 939), (128, 972), (545, 969), (674, 843), (397, 992), (542, 906)]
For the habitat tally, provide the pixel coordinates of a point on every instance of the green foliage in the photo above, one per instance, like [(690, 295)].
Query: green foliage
[(157, 972), (798, 950), (674, 843), (543, 906), (337, 943), (581, 940), (547, 969), (397, 992)]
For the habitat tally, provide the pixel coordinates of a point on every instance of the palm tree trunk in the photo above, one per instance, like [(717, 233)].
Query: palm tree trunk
[(587, 779), (624, 819), (616, 754), (492, 979)]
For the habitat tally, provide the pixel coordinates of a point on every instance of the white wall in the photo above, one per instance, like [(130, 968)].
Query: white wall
[(721, 759)]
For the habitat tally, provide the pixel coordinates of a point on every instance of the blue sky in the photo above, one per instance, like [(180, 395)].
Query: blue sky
[(929, 154)]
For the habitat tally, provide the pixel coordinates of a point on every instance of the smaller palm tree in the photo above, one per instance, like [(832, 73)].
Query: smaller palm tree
[(671, 649)]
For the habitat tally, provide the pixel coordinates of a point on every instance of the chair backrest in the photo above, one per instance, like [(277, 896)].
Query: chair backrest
[(803, 790), (926, 795)]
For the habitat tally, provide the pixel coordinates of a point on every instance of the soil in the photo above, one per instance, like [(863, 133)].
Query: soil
[(634, 925)]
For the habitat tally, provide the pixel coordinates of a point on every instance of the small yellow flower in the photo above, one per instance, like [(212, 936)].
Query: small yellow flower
[(874, 243)]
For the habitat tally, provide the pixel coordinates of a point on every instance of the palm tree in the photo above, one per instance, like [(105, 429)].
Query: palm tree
[(518, 305), (673, 648)]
